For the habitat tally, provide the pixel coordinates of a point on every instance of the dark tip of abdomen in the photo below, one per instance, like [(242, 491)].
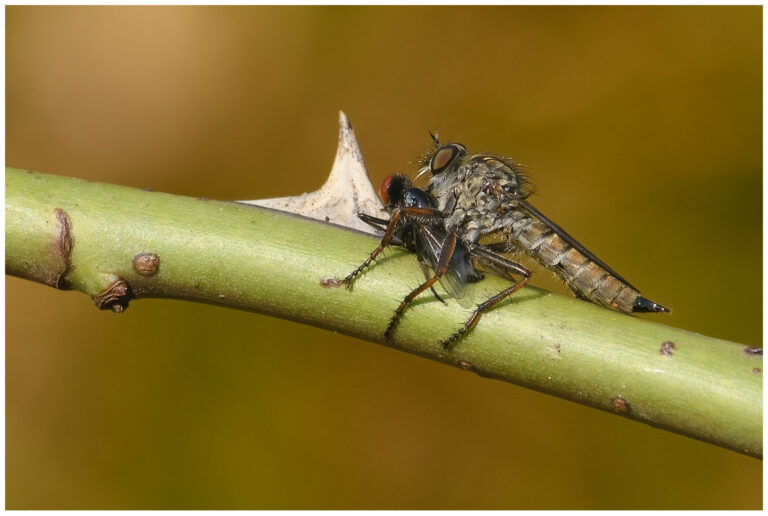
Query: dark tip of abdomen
[(645, 305)]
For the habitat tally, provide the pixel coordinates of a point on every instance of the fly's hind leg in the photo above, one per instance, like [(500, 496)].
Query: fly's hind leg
[(482, 308), (505, 268), (448, 248), (427, 274)]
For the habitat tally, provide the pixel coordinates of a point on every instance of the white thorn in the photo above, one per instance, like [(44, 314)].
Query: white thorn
[(346, 192)]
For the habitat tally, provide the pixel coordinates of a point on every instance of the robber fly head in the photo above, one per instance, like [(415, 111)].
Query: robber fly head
[(397, 190), (446, 158)]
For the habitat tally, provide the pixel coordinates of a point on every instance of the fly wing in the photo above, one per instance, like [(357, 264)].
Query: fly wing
[(454, 280), (572, 241)]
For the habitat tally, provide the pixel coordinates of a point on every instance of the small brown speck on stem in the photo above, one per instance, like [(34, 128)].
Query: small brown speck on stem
[(667, 348), (620, 405), (331, 282), (466, 366), (146, 264)]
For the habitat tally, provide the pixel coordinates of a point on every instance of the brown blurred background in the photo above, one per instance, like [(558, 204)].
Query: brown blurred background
[(642, 129)]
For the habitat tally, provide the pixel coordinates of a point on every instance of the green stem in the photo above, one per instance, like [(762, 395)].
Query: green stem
[(116, 244)]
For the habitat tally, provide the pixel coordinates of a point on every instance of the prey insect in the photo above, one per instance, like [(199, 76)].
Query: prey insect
[(416, 224), (485, 196)]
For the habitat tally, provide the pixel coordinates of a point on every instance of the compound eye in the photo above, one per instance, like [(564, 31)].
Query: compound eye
[(445, 156), (393, 189), (384, 189)]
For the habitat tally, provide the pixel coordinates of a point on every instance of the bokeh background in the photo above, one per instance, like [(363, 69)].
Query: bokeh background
[(642, 127)]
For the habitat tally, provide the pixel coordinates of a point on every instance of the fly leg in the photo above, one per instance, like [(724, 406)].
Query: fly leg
[(381, 225), (482, 308), (394, 221), (505, 268), (448, 248), (427, 272)]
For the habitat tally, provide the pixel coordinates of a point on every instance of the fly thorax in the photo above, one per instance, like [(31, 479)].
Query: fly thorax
[(455, 219), (472, 224), (443, 187), (471, 235)]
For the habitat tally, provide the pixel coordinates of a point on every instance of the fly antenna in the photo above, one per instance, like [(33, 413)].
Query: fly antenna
[(435, 137)]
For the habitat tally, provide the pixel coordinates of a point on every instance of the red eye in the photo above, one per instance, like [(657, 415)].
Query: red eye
[(384, 189)]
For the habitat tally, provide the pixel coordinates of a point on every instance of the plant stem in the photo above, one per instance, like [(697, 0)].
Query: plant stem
[(117, 244)]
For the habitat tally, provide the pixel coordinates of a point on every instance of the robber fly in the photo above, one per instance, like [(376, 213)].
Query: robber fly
[(484, 195), (416, 224)]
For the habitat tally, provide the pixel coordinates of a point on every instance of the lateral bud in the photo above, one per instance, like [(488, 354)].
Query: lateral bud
[(115, 297)]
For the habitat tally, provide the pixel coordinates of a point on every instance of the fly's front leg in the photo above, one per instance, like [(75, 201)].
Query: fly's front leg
[(393, 222), (448, 248), (399, 215), (505, 268)]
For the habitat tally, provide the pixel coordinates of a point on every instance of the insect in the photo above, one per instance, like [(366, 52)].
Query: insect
[(485, 196), (416, 224)]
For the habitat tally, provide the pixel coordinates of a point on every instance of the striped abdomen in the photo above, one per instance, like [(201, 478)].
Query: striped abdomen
[(585, 275)]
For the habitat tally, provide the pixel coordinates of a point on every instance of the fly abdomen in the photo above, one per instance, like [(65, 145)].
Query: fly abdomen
[(590, 281), (587, 278)]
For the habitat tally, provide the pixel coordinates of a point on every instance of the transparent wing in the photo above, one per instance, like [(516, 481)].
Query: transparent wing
[(430, 247)]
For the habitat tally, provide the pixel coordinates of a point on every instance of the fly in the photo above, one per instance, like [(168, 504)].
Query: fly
[(417, 224), (485, 196)]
